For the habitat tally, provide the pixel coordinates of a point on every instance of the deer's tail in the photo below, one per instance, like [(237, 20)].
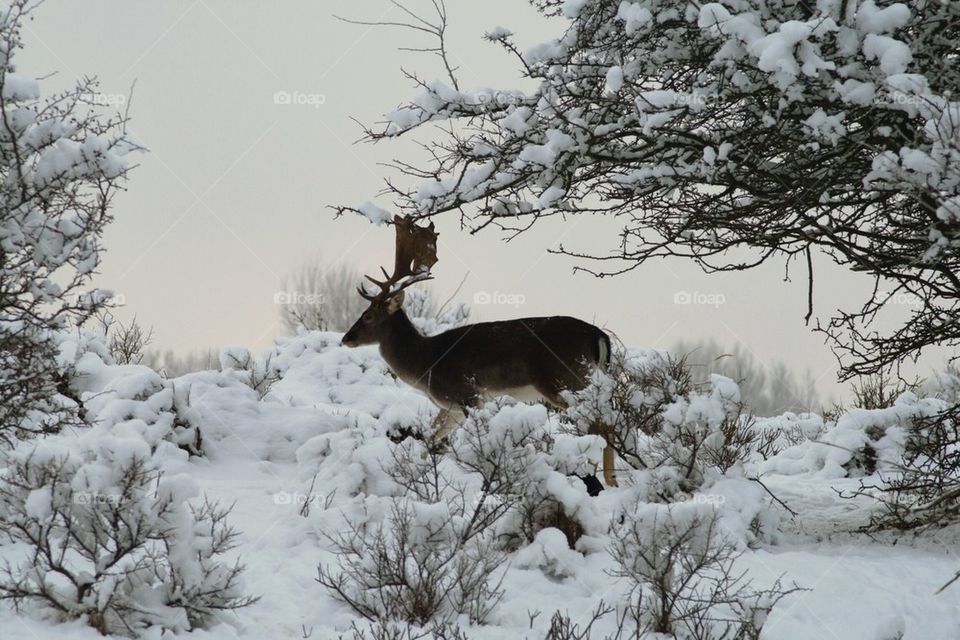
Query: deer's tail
[(603, 350)]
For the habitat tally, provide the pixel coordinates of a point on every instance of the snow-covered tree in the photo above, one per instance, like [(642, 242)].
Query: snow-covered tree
[(730, 133), (61, 162)]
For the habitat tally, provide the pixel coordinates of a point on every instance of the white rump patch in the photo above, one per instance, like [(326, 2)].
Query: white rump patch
[(527, 393)]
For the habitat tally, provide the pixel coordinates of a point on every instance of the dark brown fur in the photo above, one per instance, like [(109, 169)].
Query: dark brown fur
[(456, 368)]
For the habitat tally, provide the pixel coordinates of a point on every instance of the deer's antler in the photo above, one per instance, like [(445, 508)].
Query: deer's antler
[(416, 253)]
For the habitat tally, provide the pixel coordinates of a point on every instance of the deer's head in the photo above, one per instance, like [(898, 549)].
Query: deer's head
[(416, 252), (373, 322)]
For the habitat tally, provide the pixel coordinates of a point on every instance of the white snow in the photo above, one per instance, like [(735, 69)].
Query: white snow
[(571, 8), (614, 79), (857, 92), (39, 503), (499, 33), (18, 88), (892, 54), (375, 214), (872, 19), (317, 437), (550, 196), (634, 15)]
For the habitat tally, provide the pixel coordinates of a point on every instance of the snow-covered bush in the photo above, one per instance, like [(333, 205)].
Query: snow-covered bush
[(908, 455), (924, 488), (777, 433), (107, 537), (126, 397), (701, 431), (736, 442), (654, 417), (879, 391), (127, 342), (946, 385), (627, 401), (32, 401), (679, 564), (528, 470), (61, 164), (563, 627), (257, 373), (861, 442), (421, 564), (384, 630), (436, 551)]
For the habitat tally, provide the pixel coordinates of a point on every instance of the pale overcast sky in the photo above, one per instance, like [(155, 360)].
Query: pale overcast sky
[(233, 193)]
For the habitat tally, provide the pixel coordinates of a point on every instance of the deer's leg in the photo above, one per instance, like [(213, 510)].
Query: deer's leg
[(551, 393), (609, 455), (445, 422), (609, 474), (435, 438)]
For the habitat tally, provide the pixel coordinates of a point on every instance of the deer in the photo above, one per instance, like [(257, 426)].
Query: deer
[(529, 359)]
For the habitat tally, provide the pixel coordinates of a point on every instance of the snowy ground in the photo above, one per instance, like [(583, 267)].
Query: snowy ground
[(264, 452)]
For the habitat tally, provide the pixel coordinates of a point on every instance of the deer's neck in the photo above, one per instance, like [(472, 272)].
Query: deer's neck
[(402, 348)]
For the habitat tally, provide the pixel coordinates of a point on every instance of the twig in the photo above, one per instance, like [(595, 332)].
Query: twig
[(453, 295), (773, 495), (949, 582)]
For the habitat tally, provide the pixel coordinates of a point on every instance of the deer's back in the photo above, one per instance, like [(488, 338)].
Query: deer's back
[(548, 353)]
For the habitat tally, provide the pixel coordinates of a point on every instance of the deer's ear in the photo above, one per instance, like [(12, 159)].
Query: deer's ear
[(394, 304)]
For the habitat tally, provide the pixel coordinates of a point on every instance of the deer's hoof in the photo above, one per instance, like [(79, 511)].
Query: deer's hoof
[(593, 485)]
